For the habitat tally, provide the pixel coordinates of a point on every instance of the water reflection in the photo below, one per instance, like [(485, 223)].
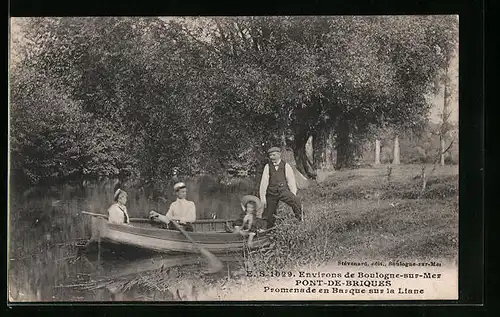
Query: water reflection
[(47, 231), (163, 277), (111, 272)]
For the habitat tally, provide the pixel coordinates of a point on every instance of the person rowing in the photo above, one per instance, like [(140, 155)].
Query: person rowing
[(182, 210)]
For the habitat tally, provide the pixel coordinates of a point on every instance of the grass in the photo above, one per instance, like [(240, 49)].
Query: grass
[(352, 214), (363, 214)]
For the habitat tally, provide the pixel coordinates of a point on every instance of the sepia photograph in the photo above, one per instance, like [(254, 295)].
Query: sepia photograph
[(233, 158)]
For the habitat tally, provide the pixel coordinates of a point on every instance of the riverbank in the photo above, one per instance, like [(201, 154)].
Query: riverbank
[(354, 216), (371, 214)]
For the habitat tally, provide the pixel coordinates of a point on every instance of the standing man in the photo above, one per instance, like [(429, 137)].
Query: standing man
[(182, 210), (278, 183)]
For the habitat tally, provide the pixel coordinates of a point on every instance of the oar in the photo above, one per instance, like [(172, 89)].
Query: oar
[(106, 217), (94, 214), (214, 264)]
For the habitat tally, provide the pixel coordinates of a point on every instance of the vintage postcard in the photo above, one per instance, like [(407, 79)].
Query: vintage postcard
[(233, 158)]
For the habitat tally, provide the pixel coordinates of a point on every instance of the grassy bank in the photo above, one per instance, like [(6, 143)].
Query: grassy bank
[(358, 215), (363, 214), (352, 214)]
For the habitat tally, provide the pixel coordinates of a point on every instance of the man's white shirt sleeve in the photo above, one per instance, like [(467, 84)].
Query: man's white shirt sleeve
[(264, 182), (170, 211), (290, 177)]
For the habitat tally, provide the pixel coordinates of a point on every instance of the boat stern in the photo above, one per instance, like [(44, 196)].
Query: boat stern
[(99, 228)]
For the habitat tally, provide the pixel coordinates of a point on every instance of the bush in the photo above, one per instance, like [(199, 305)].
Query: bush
[(342, 219), (299, 243)]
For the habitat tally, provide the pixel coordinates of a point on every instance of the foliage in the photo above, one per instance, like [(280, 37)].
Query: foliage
[(315, 73), (144, 95), (54, 139)]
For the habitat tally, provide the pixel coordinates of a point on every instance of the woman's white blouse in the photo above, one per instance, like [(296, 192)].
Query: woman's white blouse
[(118, 214)]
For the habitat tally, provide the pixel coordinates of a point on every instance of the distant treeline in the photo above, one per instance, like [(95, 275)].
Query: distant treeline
[(133, 98), (421, 149)]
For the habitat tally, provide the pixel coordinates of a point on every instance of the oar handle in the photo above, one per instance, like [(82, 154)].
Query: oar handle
[(179, 227), (93, 214)]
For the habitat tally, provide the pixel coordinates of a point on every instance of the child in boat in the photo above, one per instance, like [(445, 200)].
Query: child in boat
[(249, 222), (249, 217), (245, 224)]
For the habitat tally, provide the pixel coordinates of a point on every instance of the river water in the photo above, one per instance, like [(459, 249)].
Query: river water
[(72, 272), (47, 232)]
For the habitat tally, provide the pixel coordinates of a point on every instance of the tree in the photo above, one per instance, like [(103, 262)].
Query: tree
[(377, 152), (396, 159), (200, 93), (116, 93), (448, 90), (315, 76), (54, 139)]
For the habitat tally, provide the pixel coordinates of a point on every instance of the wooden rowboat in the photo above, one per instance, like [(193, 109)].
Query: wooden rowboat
[(141, 233)]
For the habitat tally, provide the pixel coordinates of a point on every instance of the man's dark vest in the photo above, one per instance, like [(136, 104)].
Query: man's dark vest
[(277, 179)]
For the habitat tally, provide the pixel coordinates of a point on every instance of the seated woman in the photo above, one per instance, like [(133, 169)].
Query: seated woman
[(118, 211), (182, 211)]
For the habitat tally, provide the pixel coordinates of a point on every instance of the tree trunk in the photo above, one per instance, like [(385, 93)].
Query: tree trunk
[(424, 180), (284, 126), (320, 149), (446, 114), (345, 153), (283, 141), (377, 152), (309, 151), (395, 160), (442, 149), (301, 159), (329, 152), (332, 152)]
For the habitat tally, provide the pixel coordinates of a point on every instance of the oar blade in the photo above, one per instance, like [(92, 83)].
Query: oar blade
[(214, 264)]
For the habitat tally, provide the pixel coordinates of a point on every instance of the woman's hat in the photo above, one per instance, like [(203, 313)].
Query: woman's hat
[(117, 193), (259, 206), (179, 185)]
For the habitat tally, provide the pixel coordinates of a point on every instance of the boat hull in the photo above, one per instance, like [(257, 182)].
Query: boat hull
[(163, 240)]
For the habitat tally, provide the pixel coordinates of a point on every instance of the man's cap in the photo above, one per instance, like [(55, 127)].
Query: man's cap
[(274, 149), (179, 185)]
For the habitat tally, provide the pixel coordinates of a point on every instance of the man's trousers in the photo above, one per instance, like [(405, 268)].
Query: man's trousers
[(285, 196)]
